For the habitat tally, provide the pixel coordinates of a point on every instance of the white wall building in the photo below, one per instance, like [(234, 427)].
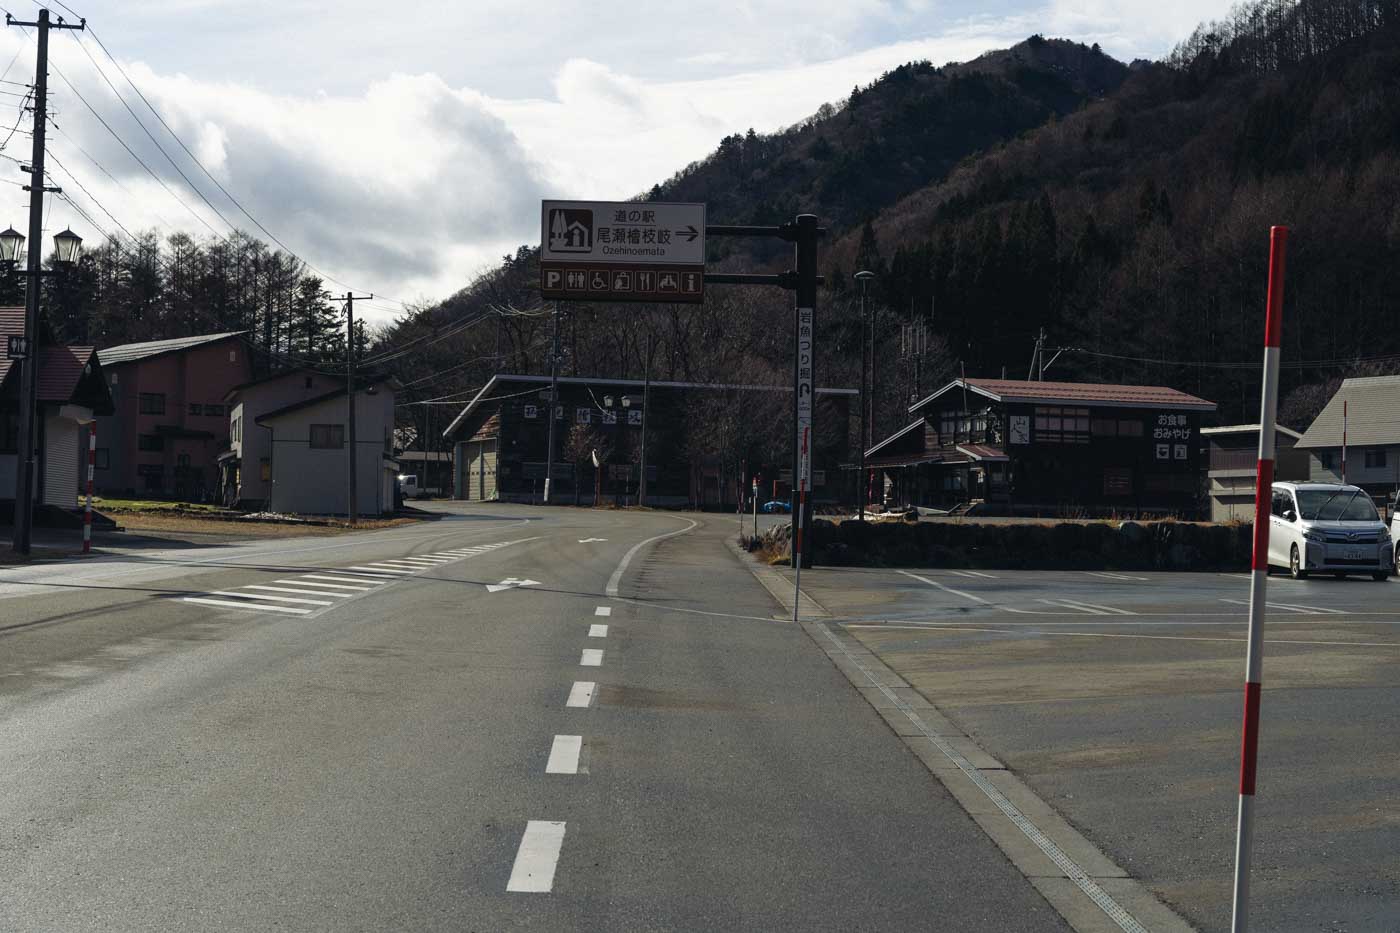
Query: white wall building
[(246, 466), (309, 446)]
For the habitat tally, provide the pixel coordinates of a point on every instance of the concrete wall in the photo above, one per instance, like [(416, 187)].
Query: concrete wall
[(315, 482)]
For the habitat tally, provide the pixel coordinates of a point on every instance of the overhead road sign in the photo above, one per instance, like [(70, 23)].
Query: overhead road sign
[(622, 251)]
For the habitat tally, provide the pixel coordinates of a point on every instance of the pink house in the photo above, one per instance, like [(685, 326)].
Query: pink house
[(171, 420)]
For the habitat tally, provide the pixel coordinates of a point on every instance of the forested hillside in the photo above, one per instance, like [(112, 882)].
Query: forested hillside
[(1124, 210)]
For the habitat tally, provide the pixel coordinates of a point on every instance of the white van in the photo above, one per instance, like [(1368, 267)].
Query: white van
[(1327, 528), (408, 486)]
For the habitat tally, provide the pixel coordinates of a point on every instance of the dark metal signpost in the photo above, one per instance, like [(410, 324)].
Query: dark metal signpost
[(660, 257)]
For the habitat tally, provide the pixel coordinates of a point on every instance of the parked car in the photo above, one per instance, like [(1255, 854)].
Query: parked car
[(1395, 530), (408, 486), (775, 506), (1328, 528)]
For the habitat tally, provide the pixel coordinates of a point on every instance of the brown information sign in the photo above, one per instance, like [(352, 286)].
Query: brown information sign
[(622, 251)]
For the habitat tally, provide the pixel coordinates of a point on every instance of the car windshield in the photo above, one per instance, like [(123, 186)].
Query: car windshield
[(1336, 505)]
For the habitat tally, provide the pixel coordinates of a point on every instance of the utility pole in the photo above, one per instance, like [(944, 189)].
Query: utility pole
[(646, 408), (553, 405), (353, 503), (863, 277), (29, 368)]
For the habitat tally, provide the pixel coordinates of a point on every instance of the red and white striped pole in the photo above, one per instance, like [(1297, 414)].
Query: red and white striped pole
[(1259, 577), (87, 509)]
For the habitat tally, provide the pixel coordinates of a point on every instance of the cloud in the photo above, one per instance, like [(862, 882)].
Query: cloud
[(410, 182)]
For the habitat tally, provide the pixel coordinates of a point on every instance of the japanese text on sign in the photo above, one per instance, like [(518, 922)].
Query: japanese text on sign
[(804, 398)]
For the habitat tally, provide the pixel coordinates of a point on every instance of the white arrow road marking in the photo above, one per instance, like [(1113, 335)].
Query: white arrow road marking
[(509, 583), (563, 755), (590, 540), (535, 861), (581, 694)]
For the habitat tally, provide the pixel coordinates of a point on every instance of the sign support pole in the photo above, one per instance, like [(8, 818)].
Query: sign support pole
[(1259, 577), (553, 406), (87, 507)]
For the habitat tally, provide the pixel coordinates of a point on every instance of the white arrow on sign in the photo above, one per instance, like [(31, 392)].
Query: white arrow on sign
[(509, 583), (590, 540)]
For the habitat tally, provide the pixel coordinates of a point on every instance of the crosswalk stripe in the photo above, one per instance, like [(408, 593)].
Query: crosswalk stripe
[(381, 570), (418, 564), (397, 568), (300, 590), (279, 599), (333, 583), (338, 583), (363, 573), (254, 607), (327, 589)]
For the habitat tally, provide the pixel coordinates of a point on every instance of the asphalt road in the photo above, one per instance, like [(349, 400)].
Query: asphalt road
[(428, 728), (1117, 697)]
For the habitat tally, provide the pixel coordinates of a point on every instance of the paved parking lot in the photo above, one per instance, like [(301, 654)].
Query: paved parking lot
[(1117, 697)]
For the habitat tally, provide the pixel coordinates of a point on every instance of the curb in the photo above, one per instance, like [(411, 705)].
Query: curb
[(1084, 886)]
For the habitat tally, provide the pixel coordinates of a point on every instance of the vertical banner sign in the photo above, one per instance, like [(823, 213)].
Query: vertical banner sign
[(1259, 578), (802, 482), (87, 509), (804, 399)]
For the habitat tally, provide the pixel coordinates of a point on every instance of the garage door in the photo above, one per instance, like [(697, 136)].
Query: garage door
[(487, 472)]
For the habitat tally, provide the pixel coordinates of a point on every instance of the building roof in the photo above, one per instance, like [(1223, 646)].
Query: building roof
[(131, 352), (983, 452), (1248, 429), (324, 396), (1103, 395), (1372, 414), (892, 438), (286, 374), (495, 381)]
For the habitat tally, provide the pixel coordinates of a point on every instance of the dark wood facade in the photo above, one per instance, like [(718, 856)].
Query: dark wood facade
[(1046, 448)]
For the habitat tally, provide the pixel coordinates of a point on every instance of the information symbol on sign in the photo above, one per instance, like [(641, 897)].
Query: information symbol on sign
[(668, 282), (570, 231), (622, 281), (1164, 451), (690, 283), (553, 278), (1180, 451), (576, 280), (598, 281), (646, 281)]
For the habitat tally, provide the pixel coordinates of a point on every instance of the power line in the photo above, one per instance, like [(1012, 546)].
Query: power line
[(210, 175), (1252, 364)]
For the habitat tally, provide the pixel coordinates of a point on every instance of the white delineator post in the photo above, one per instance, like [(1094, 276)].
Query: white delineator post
[(1259, 576), (87, 509)]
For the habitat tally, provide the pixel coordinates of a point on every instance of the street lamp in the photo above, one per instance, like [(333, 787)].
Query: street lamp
[(11, 242), (866, 346), (66, 246)]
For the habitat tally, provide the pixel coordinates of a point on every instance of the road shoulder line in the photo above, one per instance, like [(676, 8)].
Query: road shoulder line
[(1075, 877)]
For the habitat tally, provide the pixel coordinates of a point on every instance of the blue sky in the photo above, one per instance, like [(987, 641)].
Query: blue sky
[(403, 148)]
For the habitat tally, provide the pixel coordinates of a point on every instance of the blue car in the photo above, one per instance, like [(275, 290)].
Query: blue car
[(777, 506)]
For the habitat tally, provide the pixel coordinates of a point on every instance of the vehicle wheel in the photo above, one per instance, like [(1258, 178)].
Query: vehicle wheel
[(1295, 565)]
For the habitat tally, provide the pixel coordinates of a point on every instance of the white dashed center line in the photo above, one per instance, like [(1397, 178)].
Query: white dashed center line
[(597, 631), (537, 857), (592, 657), (581, 694), (603, 611), (563, 755)]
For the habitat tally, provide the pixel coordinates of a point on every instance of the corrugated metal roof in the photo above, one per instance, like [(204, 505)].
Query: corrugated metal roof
[(1373, 414), (131, 352), (1072, 393), (982, 452)]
